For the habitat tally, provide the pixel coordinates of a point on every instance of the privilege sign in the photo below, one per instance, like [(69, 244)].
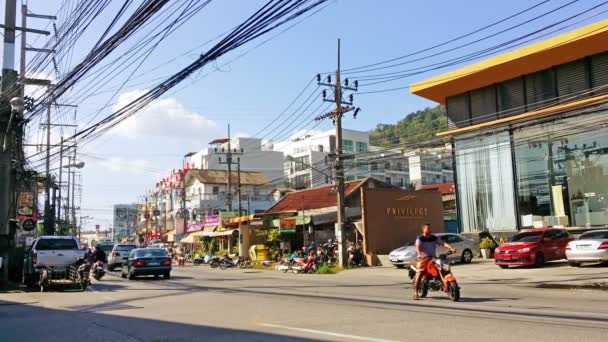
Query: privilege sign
[(394, 217)]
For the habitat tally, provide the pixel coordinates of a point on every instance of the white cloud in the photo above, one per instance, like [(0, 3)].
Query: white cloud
[(164, 118), (135, 166)]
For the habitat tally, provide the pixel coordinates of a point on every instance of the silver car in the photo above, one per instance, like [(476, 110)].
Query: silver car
[(466, 249), (591, 246)]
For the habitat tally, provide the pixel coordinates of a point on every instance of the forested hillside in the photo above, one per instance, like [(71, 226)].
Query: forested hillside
[(417, 126)]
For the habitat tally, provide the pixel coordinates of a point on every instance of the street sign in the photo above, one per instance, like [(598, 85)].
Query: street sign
[(28, 225)]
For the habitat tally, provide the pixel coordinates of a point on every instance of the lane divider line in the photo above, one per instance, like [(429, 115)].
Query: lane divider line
[(327, 333)]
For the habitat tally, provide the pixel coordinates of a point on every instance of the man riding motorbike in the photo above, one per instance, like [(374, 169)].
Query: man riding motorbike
[(98, 255), (426, 245)]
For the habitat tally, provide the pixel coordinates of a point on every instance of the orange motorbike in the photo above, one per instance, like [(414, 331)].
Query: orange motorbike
[(438, 277)]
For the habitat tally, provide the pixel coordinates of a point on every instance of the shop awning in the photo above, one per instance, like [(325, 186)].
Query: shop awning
[(191, 238), (241, 219), (209, 229), (221, 233)]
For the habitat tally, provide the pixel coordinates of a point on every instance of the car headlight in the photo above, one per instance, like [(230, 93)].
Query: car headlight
[(524, 250)]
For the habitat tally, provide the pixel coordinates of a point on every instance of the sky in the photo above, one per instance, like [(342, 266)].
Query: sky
[(249, 91)]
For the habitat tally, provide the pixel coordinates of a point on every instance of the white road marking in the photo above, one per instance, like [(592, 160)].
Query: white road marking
[(328, 333)]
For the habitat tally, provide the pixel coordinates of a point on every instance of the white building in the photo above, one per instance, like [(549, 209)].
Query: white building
[(253, 157), (407, 168), (305, 158)]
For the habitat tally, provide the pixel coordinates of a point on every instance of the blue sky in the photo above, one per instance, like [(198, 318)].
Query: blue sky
[(249, 92)]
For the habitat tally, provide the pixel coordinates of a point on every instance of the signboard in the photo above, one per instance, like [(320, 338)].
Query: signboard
[(25, 204), (211, 220), (287, 224), (394, 217), (28, 225)]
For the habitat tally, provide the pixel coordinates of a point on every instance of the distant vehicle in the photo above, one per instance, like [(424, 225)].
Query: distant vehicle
[(57, 252), (467, 248), (533, 247), (106, 247), (591, 246), (147, 261), (118, 255)]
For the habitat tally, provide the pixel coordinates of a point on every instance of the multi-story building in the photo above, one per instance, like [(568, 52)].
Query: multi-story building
[(410, 169), (529, 132), (306, 159), (253, 156)]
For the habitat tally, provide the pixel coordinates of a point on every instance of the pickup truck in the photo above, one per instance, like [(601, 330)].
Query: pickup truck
[(57, 252)]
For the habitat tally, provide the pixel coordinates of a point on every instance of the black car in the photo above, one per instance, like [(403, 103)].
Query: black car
[(147, 261)]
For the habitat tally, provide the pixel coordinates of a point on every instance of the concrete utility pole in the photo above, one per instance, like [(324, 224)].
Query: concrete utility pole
[(336, 115), (229, 153), (9, 78)]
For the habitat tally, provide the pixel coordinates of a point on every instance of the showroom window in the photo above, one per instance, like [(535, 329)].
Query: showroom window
[(563, 178), (485, 183)]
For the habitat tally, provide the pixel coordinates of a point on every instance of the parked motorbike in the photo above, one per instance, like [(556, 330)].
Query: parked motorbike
[(215, 262), (438, 277), (328, 254), (305, 265), (226, 262), (98, 271), (243, 262)]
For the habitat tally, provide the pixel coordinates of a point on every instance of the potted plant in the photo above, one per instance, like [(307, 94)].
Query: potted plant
[(486, 245)]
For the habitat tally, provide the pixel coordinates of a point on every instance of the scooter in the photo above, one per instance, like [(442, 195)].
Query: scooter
[(304, 265), (438, 277), (98, 271)]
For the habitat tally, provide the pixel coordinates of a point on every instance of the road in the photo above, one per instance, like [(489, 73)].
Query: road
[(201, 304)]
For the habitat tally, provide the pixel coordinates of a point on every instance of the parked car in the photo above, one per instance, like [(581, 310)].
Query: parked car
[(119, 253), (57, 252), (466, 248), (533, 247), (591, 246), (147, 261)]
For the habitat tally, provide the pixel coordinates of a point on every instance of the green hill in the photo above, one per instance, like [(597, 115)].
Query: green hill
[(417, 126)]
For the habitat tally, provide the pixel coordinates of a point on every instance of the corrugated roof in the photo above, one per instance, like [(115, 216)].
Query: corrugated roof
[(220, 177), (316, 198), (443, 188)]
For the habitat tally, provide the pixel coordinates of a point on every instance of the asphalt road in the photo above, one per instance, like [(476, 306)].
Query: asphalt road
[(200, 304)]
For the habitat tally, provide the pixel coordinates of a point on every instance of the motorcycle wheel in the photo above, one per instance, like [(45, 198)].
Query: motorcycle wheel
[(82, 282), (424, 290), (242, 264), (213, 264), (223, 266), (454, 291), (44, 282), (196, 262)]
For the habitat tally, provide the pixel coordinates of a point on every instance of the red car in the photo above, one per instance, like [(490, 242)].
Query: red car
[(533, 247)]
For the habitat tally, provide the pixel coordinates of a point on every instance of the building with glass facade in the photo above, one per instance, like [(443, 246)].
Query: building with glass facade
[(529, 130)]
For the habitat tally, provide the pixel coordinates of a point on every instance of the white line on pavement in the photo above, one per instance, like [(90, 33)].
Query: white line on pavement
[(328, 333)]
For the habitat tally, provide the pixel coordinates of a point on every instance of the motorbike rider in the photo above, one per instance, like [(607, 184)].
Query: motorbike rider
[(311, 248), (426, 245), (98, 255)]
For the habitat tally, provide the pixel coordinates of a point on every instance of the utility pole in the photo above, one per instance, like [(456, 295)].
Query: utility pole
[(342, 107), (60, 178), (73, 195), (229, 152), (48, 221), (7, 185), (238, 185)]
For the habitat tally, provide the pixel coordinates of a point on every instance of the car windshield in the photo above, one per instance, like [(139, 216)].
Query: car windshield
[(52, 244), (125, 248), (594, 235), (149, 252), (527, 237)]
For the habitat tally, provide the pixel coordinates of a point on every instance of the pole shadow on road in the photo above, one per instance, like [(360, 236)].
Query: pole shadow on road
[(60, 325)]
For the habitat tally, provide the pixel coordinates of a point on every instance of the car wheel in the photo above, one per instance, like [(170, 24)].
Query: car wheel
[(131, 275), (167, 275), (123, 274), (156, 276), (503, 266), (540, 260), (574, 263), (467, 256)]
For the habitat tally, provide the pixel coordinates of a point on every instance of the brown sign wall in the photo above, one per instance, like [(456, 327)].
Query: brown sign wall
[(392, 217)]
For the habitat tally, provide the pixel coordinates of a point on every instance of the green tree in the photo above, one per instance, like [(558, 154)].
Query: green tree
[(417, 126)]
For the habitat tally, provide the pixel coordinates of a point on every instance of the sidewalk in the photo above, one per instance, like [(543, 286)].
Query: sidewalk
[(558, 275)]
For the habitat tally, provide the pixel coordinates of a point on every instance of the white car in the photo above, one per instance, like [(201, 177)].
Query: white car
[(118, 255), (591, 246), (466, 249)]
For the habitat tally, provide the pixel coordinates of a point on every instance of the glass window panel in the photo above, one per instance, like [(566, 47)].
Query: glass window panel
[(485, 183)]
